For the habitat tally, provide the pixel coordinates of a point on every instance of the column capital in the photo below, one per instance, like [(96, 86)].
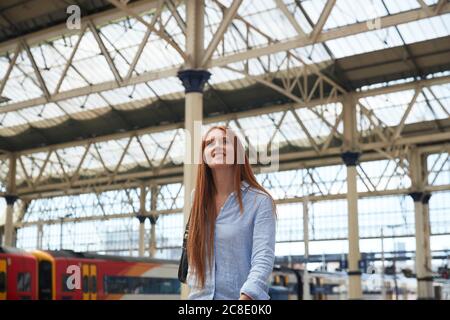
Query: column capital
[(350, 158), (426, 198), (193, 80), (141, 218), (10, 199), (153, 218), (417, 196)]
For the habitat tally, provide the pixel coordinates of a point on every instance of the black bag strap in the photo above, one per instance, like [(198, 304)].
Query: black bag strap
[(186, 230), (186, 233)]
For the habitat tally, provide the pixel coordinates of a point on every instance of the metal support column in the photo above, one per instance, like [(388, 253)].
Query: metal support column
[(153, 218), (193, 80), (10, 198), (422, 225), (350, 157), (40, 235), (142, 216), (306, 291), (354, 255), (141, 235), (426, 243), (383, 284)]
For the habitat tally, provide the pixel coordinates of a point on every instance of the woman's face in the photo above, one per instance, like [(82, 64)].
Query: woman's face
[(219, 150)]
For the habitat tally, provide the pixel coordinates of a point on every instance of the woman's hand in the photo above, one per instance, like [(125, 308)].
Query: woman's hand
[(244, 297)]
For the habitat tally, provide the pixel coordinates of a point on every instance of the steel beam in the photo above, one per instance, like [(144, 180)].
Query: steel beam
[(322, 20), (271, 48), (228, 16)]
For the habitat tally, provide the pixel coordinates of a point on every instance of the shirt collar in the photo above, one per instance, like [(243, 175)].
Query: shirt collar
[(244, 185)]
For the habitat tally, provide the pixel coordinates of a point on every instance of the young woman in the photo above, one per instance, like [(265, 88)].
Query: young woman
[(231, 238)]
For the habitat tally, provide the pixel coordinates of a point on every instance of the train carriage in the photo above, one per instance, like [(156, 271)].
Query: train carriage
[(87, 276), (18, 275), (69, 275)]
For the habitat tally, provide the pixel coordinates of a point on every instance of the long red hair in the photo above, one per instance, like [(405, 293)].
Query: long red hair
[(200, 245)]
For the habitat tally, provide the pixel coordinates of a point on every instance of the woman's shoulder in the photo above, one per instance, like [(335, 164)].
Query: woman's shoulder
[(258, 193), (262, 199)]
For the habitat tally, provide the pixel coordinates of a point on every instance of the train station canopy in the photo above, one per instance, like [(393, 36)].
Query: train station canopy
[(102, 103)]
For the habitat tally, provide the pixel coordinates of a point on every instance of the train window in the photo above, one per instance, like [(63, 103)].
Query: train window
[(85, 284), (168, 286), (93, 284), (116, 284), (24, 282), (140, 285), (2, 281)]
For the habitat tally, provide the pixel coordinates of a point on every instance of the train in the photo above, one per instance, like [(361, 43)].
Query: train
[(69, 275), (287, 284)]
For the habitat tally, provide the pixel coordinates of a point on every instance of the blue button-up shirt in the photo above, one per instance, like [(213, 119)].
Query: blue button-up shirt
[(244, 250)]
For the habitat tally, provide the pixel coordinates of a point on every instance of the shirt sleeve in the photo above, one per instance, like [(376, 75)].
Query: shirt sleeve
[(263, 252)]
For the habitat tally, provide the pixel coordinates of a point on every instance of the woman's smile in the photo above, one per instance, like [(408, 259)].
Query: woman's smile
[(219, 153)]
